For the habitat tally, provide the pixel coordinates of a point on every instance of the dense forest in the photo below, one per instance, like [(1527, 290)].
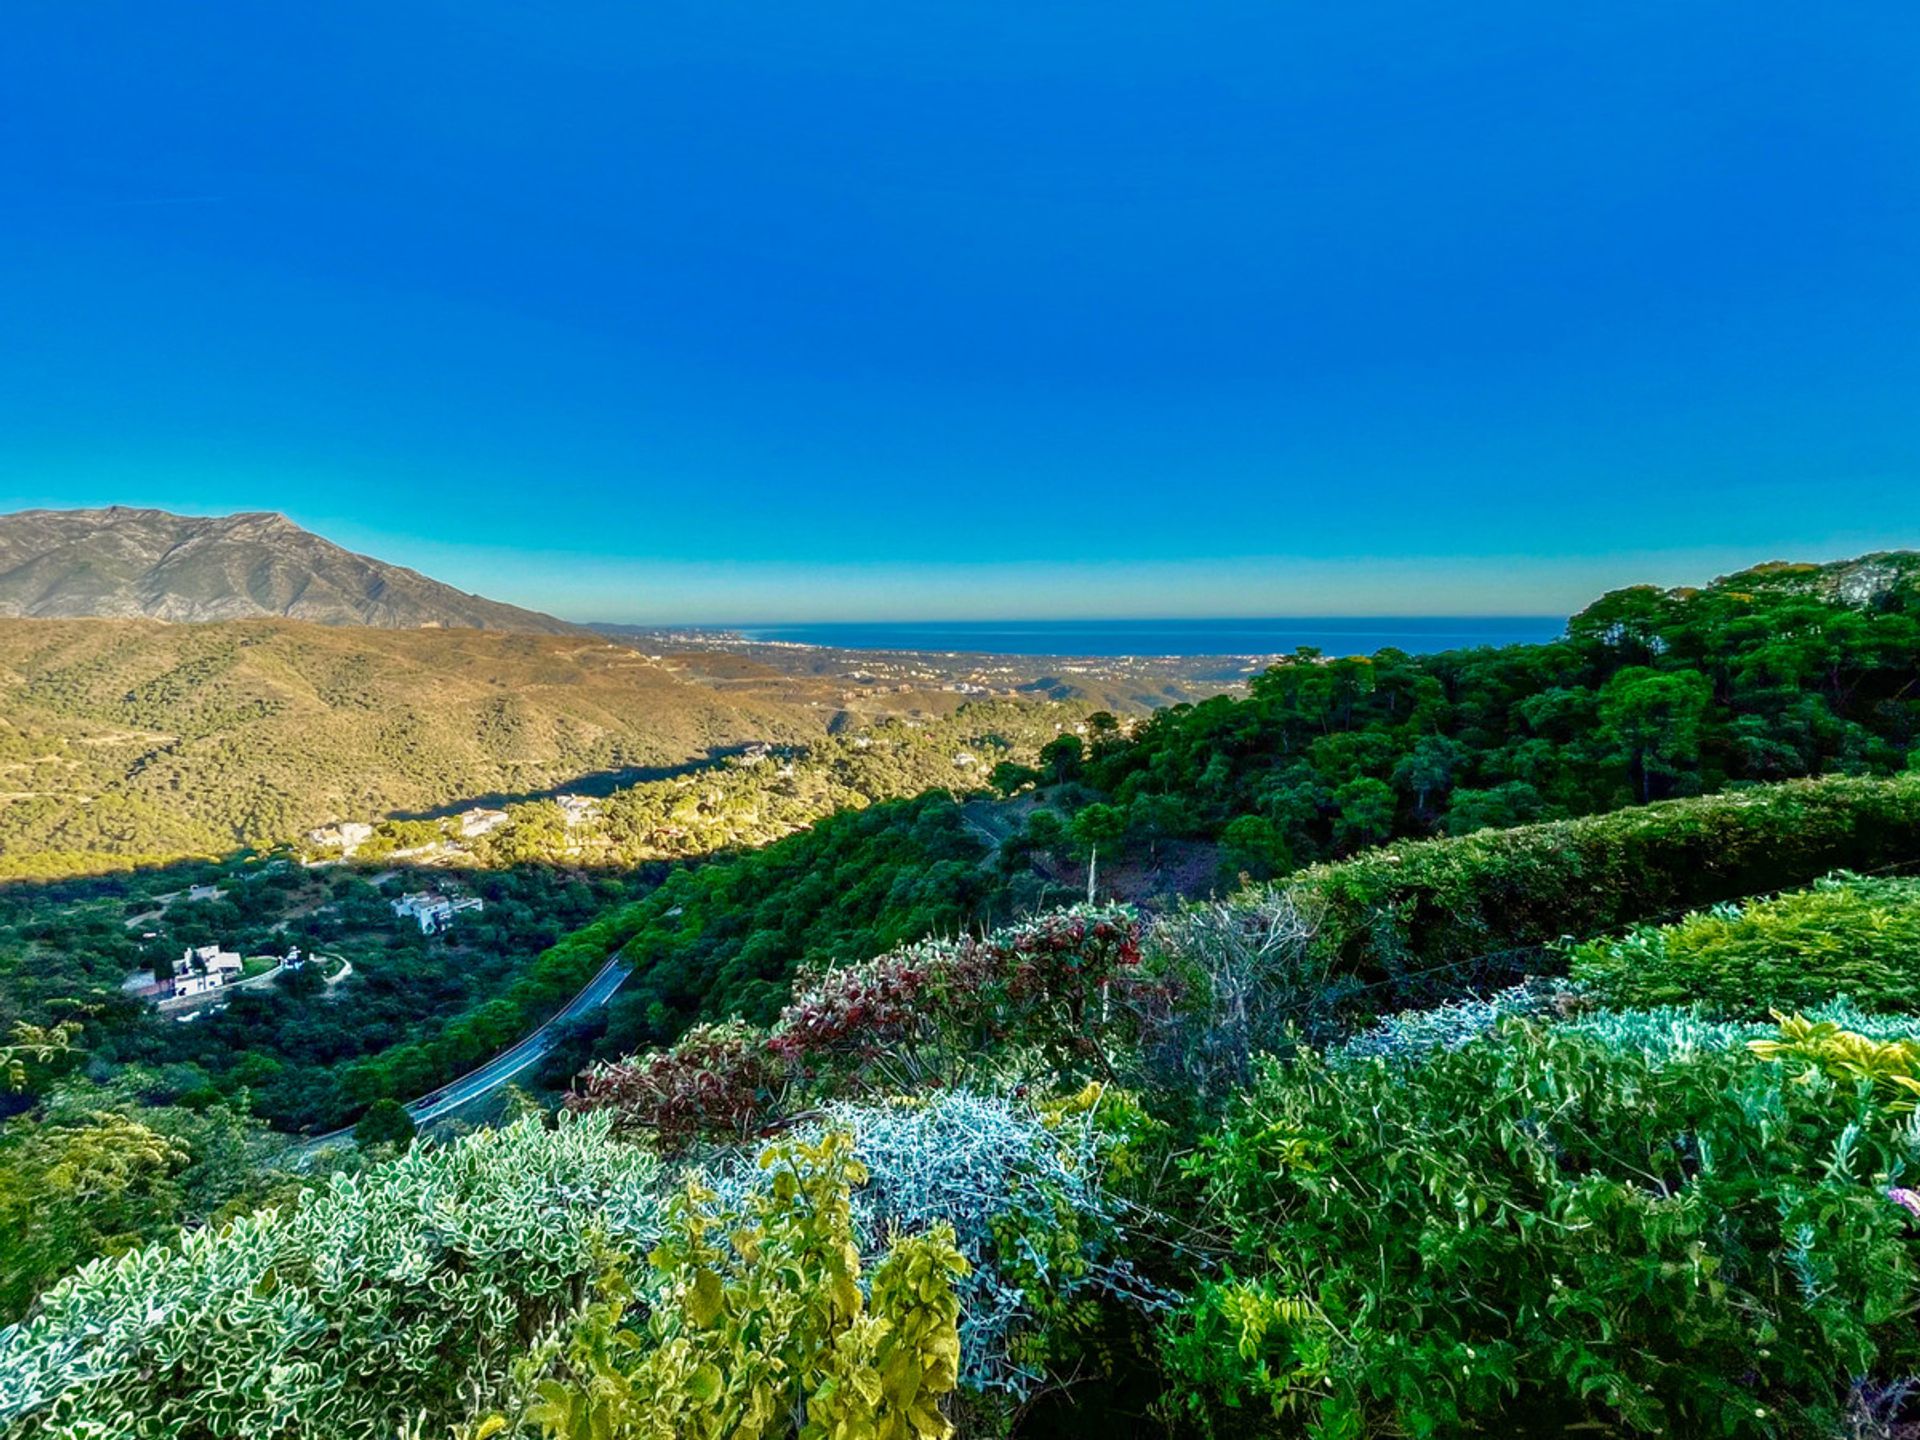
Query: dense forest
[(1779, 672), (1535, 1047)]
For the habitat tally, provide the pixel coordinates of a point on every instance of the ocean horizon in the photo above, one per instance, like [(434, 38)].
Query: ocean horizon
[(1342, 635)]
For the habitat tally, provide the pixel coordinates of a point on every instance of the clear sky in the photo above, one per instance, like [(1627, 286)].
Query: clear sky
[(716, 310)]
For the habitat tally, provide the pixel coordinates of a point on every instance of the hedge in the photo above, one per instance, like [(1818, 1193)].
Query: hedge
[(1424, 921)]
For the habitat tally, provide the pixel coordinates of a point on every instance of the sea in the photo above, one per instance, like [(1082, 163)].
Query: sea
[(1279, 635)]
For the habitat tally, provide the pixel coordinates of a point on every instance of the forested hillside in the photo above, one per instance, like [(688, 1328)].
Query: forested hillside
[(413, 1010), (1780, 672), (122, 740)]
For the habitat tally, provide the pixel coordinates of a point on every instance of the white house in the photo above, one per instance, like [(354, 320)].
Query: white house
[(205, 968), (479, 821), (576, 809), (434, 912), (349, 835)]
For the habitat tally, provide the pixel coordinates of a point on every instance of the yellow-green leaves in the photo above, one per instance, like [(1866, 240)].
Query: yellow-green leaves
[(770, 1332), (1891, 1066), (703, 1299)]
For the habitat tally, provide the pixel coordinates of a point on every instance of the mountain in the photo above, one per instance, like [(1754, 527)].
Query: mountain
[(122, 563)]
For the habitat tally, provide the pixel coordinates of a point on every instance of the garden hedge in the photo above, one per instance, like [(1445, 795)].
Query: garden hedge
[(1422, 921)]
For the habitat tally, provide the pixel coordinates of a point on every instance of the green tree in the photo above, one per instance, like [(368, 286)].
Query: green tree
[(1153, 818), (1652, 720), (1253, 846), (1427, 771), (1104, 733), (1365, 813), (385, 1123), (1010, 777), (1062, 759), (1099, 827), (1046, 830), (1504, 806)]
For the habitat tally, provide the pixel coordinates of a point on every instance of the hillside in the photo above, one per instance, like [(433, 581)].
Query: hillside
[(130, 737), (124, 563)]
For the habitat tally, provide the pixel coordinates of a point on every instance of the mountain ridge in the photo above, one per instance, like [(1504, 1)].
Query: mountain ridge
[(121, 562)]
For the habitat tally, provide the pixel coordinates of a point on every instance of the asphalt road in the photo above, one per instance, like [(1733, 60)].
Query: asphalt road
[(508, 1063)]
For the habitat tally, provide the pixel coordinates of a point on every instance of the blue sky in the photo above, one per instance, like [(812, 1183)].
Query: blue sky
[(753, 311)]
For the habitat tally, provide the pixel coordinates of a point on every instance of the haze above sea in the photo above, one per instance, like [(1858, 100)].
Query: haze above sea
[(1333, 634)]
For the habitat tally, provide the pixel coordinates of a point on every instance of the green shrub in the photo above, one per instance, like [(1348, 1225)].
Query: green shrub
[(915, 1016), (384, 1297), (1553, 1225), (1031, 1196), (1421, 922), (1853, 937), (759, 1327)]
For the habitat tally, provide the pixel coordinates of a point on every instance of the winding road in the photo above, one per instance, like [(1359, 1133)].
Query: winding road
[(504, 1066)]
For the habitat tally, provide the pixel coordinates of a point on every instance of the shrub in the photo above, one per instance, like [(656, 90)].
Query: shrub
[(1890, 1068), (1853, 937), (1046, 983), (1232, 979), (1413, 1034), (1674, 1033), (1024, 1192), (718, 1080), (1424, 922), (924, 1012), (381, 1297), (385, 1123), (1552, 1222), (758, 1325)]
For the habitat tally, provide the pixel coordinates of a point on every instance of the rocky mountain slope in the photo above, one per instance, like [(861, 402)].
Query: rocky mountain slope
[(122, 563)]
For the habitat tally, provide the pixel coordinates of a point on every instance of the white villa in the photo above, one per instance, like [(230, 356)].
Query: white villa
[(434, 912), (478, 821), (206, 968), (349, 835), (576, 809)]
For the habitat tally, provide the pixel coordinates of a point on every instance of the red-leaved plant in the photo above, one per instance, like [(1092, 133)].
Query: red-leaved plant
[(1054, 984), (718, 1080)]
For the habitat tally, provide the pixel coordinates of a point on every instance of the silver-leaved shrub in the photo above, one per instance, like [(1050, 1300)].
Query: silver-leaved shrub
[(1022, 1188), (389, 1295)]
